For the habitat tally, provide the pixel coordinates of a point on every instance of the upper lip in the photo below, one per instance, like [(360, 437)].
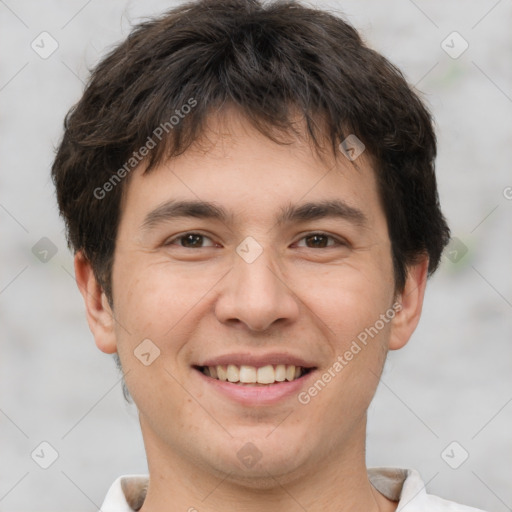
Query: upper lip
[(258, 360)]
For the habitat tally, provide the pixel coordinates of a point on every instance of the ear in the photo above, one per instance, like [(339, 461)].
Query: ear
[(411, 299), (99, 314)]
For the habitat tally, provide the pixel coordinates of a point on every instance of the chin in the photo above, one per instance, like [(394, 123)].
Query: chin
[(262, 463)]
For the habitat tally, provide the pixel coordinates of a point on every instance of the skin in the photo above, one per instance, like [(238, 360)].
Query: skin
[(298, 297)]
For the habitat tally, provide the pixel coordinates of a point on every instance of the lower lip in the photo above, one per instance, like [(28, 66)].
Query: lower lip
[(258, 395)]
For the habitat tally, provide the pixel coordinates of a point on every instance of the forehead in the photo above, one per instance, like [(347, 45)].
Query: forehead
[(236, 166)]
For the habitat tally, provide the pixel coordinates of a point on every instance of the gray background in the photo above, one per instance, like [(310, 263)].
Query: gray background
[(451, 383)]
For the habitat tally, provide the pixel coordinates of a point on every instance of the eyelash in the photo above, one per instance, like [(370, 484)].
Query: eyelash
[(338, 242)]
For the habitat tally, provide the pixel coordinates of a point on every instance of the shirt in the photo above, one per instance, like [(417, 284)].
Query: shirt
[(403, 485)]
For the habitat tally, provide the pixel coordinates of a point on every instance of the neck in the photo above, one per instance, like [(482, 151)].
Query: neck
[(336, 482)]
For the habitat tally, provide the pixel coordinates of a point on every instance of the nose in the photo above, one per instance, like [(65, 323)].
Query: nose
[(256, 295)]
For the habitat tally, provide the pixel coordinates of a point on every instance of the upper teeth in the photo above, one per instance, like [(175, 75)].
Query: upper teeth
[(250, 374)]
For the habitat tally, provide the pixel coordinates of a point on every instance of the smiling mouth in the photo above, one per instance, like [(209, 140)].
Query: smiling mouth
[(254, 376)]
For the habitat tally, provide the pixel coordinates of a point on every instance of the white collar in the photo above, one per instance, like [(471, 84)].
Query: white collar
[(403, 485)]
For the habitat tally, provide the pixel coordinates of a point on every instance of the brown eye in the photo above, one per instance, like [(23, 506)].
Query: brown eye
[(191, 241), (318, 241)]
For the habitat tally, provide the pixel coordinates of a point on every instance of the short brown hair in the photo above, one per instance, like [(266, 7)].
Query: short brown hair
[(270, 61)]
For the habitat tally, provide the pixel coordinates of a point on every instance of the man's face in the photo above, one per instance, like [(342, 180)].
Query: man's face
[(267, 283)]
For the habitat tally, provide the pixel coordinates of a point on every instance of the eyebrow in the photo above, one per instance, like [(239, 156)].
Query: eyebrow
[(320, 210), (178, 209), (290, 214)]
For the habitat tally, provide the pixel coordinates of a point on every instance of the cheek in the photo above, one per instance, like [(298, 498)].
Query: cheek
[(347, 300), (153, 299), (164, 305), (152, 306), (350, 304), (358, 340)]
